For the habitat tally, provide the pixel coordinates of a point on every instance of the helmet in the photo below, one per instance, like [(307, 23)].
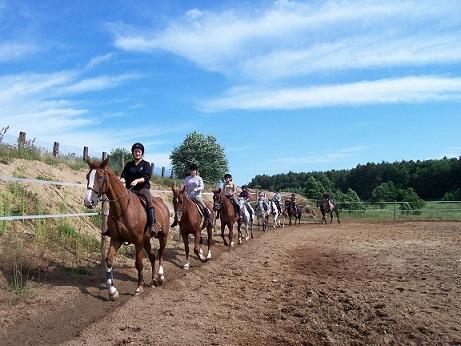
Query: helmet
[(137, 146), (193, 167), (227, 175), (293, 194), (244, 187)]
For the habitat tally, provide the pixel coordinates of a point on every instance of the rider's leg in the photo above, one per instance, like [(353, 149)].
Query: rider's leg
[(150, 211), (206, 212), (235, 202)]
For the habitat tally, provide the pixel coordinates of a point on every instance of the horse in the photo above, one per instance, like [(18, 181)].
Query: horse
[(262, 214), (247, 220), (279, 217), (190, 221), (228, 216), (126, 222), (293, 211), (326, 205)]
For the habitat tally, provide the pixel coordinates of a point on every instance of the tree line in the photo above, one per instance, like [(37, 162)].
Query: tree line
[(426, 179)]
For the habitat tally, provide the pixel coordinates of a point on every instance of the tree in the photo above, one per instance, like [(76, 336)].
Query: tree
[(118, 157), (314, 188), (206, 152), (385, 192), (413, 203)]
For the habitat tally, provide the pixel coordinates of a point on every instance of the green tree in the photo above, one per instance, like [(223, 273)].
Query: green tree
[(206, 152), (385, 192), (314, 188), (412, 201), (118, 157), (349, 200)]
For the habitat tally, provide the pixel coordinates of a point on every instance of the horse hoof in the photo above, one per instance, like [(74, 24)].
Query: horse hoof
[(208, 257), (232, 244), (113, 293), (160, 279), (186, 266), (138, 291)]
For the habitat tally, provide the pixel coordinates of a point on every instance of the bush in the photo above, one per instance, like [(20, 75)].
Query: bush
[(412, 202)]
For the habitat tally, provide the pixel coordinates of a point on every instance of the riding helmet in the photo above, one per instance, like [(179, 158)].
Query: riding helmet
[(137, 146), (193, 167), (227, 176)]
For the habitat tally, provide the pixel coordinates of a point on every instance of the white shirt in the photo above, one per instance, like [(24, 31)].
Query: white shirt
[(194, 186)]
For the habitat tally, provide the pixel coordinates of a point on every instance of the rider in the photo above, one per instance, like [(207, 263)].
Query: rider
[(277, 199), (230, 191), (262, 197), (136, 175), (194, 187), (293, 201), (245, 194)]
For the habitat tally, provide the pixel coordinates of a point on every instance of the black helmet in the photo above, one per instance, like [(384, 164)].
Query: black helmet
[(244, 187), (193, 167), (137, 146), (227, 175)]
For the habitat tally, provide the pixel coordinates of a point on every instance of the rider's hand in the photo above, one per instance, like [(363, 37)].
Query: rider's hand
[(122, 180), (134, 182)]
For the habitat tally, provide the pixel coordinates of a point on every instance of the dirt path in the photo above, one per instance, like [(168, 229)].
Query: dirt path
[(363, 283)]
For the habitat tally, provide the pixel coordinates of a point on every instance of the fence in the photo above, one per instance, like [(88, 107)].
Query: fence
[(57, 150)]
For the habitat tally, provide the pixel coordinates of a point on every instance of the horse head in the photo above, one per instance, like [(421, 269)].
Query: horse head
[(217, 199), (97, 182), (179, 201)]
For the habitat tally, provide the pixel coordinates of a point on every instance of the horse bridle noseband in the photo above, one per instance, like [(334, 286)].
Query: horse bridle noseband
[(100, 193)]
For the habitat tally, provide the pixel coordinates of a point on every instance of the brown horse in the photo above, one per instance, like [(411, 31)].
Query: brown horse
[(190, 222), (228, 216), (126, 222), (293, 211)]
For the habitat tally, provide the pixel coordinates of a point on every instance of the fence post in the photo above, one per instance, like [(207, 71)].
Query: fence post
[(21, 139), (163, 172), (152, 165), (395, 209), (55, 149), (85, 153), (172, 174), (104, 156)]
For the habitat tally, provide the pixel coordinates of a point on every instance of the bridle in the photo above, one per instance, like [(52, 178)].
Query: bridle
[(217, 201), (103, 189)]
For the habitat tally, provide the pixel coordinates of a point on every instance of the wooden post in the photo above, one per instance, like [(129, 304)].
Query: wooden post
[(172, 174), (85, 153), (163, 172), (104, 156), (55, 149), (152, 165), (395, 207), (21, 139)]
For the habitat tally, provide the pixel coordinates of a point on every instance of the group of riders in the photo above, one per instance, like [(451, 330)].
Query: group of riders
[(137, 173)]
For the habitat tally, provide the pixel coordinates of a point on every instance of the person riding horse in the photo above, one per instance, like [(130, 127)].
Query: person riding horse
[(263, 198), (136, 175), (245, 194), (230, 191), (277, 199), (293, 202), (194, 187)]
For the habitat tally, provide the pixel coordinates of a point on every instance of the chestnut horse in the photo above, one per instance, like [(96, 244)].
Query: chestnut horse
[(127, 221), (227, 214), (293, 211), (190, 222)]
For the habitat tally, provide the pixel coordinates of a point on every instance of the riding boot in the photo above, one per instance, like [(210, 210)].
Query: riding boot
[(237, 210), (206, 213), (151, 222)]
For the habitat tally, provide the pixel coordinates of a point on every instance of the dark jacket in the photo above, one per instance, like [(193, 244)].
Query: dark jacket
[(245, 194), (142, 170)]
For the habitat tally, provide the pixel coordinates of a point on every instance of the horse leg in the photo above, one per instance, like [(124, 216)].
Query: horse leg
[(151, 255), (331, 216), (139, 266), (161, 250), (185, 239), (209, 241), (337, 215), (230, 226), (113, 248), (223, 227), (239, 231), (197, 248)]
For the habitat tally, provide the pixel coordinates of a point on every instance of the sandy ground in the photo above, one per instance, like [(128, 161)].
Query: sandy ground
[(354, 283)]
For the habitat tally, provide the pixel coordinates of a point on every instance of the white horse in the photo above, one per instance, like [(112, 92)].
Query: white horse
[(279, 217), (261, 214), (247, 221)]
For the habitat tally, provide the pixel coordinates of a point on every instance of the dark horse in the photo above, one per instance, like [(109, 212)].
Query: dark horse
[(293, 211), (190, 222), (326, 205), (228, 216), (127, 221)]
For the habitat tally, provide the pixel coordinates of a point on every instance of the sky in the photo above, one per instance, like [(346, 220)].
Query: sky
[(283, 85)]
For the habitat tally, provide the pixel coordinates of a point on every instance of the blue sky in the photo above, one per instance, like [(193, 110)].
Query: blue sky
[(283, 85)]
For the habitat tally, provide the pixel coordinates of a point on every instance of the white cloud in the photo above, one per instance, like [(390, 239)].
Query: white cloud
[(412, 89), (316, 158), (13, 50), (289, 38), (99, 60)]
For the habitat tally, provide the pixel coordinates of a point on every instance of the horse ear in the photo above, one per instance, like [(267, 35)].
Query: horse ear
[(105, 163)]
